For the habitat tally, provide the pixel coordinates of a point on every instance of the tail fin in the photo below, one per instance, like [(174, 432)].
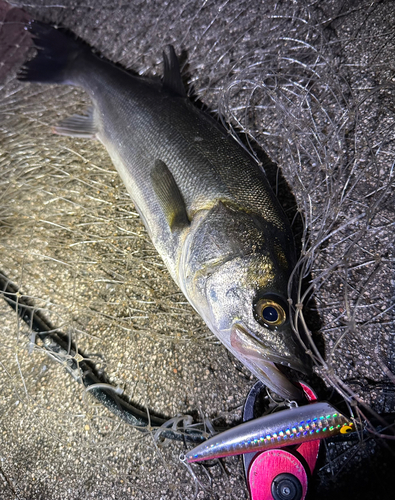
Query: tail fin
[(56, 52)]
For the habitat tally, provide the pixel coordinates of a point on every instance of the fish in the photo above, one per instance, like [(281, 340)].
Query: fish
[(204, 200), (293, 426)]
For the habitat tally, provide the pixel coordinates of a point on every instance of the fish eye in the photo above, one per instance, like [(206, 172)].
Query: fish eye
[(269, 313)]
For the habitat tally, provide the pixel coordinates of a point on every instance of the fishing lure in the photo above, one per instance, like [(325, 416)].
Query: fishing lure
[(284, 428)]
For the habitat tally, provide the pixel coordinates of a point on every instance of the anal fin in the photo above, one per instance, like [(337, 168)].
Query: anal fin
[(78, 126), (169, 196)]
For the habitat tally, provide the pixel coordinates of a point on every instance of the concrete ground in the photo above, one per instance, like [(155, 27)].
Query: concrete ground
[(312, 84)]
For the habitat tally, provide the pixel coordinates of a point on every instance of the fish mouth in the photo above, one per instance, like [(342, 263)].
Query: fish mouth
[(262, 362)]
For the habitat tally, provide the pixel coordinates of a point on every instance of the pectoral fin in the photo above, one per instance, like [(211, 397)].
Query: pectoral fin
[(171, 75), (78, 126), (169, 196)]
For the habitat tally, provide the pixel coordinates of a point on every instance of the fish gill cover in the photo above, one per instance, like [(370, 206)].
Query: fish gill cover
[(312, 84)]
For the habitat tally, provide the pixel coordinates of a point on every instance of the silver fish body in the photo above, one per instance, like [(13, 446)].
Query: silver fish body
[(284, 428), (205, 202)]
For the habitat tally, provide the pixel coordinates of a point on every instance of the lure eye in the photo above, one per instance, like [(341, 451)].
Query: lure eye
[(269, 312)]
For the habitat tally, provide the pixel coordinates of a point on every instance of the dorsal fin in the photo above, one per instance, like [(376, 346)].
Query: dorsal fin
[(171, 74)]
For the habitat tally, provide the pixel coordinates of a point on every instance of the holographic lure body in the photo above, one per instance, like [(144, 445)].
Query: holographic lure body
[(284, 428)]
